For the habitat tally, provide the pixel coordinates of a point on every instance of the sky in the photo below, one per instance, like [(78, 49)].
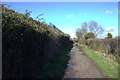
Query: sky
[(60, 0), (68, 16)]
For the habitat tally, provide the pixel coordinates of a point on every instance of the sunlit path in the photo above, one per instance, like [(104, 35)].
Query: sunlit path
[(80, 66)]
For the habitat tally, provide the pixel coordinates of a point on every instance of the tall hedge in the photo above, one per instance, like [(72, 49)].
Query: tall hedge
[(28, 45)]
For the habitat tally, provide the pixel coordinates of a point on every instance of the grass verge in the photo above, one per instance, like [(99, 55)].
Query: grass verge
[(108, 66)]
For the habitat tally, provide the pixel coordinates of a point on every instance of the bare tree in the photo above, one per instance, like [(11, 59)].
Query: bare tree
[(79, 33), (95, 28), (84, 28), (91, 27)]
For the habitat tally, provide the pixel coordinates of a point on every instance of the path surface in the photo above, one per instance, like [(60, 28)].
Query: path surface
[(81, 66)]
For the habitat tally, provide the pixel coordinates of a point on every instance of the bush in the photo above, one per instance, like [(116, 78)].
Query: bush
[(89, 35), (109, 35)]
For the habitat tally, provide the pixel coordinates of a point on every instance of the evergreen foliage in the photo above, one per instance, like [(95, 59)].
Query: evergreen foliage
[(28, 45), (89, 35)]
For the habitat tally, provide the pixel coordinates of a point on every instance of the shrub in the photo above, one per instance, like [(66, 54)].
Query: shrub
[(89, 35), (109, 35)]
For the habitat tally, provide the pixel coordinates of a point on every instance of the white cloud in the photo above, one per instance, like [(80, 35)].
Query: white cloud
[(110, 29), (114, 34), (69, 15), (108, 12)]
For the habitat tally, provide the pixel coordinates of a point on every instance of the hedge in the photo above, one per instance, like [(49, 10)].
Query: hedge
[(109, 46), (28, 45)]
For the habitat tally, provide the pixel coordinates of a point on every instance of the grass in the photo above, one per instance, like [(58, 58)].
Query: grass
[(57, 65), (108, 66)]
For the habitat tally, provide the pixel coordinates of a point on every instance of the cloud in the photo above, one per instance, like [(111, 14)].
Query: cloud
[(108, 12), (114, 34), (69, 15), (110, 29)]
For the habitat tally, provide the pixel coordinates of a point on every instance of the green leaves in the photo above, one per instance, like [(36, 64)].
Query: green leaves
[(109, 35), (27, 44), (89, 35)]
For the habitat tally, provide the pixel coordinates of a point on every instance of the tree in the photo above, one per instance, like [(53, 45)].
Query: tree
[(92, 27), (95, 28), (89, 35), (84, 27), (109, 35), (79, 33)]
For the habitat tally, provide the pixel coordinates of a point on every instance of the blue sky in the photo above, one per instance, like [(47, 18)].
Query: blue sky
[(68, 16)]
